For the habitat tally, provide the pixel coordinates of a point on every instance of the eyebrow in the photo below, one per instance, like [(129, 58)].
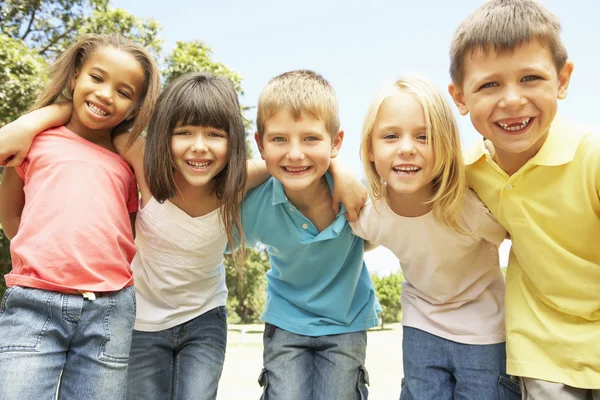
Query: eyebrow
[(419, 128), (106, 73)]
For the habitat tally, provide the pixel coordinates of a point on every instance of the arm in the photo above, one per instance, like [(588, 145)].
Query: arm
[(134, 156), (12, 201), (257, 173), (16, 137), (370, 246), (347, 190)]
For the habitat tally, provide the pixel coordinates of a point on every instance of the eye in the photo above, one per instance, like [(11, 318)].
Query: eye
[(390, 136), (217, 134), (124, 94), (530, 78), (278, 139), (96, 78), (488, 85), (311, 138), (181, 133), (422, 137)]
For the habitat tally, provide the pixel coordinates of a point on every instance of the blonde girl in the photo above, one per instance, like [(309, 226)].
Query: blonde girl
[(67, 315), (446, 242)]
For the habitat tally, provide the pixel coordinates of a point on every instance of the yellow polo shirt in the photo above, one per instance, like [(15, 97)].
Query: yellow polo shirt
[(551, 208)]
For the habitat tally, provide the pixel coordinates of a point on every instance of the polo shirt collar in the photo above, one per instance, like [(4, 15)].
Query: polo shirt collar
[(558, 149)]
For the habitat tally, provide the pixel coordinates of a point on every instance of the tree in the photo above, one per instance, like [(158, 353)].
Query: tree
[(389, 290), (246, 301)]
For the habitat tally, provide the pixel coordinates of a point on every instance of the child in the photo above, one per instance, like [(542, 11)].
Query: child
[(320, 298), (509, 67), (68, 312), (194, 176), (446, 242)]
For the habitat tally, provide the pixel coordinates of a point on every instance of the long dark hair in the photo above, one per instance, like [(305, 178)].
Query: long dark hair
[(71, 61), (200, 99)]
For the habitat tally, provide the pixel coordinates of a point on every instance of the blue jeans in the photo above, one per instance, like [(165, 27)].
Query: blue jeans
[(298, 367), (183, 362), (437, 368), (44, 333)]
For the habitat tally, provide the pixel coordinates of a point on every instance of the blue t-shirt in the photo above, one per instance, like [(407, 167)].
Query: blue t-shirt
[(318, 283)]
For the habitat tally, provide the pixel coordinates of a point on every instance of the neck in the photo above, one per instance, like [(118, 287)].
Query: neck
[(194, 200), (410, 204), (512, 162), (315, 194), (100, 137)]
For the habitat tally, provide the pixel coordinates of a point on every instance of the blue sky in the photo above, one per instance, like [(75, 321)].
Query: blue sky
[(358, 45)]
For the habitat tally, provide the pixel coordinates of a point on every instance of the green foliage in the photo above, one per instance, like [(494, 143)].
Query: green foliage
[(247, 293), (5, 264), (389, 290), (21, 77)]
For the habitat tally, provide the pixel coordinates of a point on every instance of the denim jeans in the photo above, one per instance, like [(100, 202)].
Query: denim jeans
[(44, 333), (437, 368), (183, 362), (298, 367)]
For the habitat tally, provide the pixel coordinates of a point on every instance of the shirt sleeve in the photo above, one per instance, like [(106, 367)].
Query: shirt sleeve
[(360, 228), (488, 226), (133, 200)]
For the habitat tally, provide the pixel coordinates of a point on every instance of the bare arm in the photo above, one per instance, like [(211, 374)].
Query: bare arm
[(16, 137), (257, 173), (134, 157), (347, 190), (12, 201)]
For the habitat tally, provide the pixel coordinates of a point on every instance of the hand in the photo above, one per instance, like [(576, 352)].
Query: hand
[(349, 191), (15, 141), (490, 148)]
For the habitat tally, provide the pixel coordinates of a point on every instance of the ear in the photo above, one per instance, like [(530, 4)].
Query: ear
[(336, 144), (564, 78), (73, 79), (459, 98), (134, 113), (259, 144)]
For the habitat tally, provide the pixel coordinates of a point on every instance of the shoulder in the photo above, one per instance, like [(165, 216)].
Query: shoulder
[(479, 219), (371, 220), (258, 196)]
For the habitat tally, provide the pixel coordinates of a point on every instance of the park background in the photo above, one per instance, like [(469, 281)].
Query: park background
[(356, 44)]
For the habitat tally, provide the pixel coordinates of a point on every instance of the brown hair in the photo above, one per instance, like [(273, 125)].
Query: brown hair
[(71, 61), (299, 91), (200, 99), (502, 25)]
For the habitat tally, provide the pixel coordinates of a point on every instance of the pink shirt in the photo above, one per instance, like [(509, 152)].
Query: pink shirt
[(75, 232), (453, 285)]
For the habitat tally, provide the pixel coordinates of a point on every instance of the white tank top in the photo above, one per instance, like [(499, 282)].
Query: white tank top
[(178, 270)]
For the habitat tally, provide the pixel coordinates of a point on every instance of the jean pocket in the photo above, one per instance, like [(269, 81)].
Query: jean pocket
[(24, 319), (263, 381), (508, 389), (119, 318), (363, 383), (221, 313)]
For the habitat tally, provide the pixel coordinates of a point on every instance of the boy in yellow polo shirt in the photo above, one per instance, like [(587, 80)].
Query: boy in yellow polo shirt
[(509, 67)]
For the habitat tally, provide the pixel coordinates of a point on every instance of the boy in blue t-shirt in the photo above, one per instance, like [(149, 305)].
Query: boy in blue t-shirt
[(320, 298)]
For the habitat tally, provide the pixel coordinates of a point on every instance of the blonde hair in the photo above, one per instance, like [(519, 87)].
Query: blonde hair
[(71, 61), (502, 25), (299, 91), (443, 141)]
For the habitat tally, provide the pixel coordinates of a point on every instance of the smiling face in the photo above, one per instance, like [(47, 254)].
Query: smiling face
[(105, 91), (512, 97), (199, 154), (399, 147), (297, 152)]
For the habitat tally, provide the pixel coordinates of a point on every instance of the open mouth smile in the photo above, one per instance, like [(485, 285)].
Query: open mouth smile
[(406, 169), (296, 170), (515, 127), (96, 110), (198, 165)]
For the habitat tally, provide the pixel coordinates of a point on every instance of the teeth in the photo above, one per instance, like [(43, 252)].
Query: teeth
[(515, 127), (198, 165), (296, 169), (97, 110), (407, 169)]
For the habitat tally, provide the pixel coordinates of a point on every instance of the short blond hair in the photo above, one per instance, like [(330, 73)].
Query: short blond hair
[(299, 91), (443, 142), (502, 25)]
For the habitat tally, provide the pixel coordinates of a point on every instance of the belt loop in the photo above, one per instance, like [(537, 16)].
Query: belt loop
[(271, 331)]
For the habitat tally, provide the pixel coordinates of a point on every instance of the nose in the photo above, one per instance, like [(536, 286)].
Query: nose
[(512, 97), (295, 152), (105, 93), (199, 144), (406, 146)]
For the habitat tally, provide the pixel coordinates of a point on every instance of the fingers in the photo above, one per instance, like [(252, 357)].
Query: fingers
[(14, 161), (351, 215)]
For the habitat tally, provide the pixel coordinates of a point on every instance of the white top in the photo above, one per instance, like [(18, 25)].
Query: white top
[(453, 285), (178, 270)]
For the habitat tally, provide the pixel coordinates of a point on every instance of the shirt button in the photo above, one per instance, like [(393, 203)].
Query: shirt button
[(291, 209), (304, 226), (509, 186)]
